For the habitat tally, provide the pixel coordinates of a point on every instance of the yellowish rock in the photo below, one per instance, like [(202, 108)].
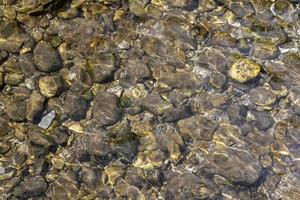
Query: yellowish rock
[(119, 14), (57, 163), (113, 173), (243, 70)]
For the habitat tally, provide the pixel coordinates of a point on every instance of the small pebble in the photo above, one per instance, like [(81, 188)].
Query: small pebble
[(47, 120)]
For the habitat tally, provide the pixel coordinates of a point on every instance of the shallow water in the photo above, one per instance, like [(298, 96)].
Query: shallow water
[(140, 99)]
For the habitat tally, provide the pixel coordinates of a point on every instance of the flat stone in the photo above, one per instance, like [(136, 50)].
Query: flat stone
[(13, 79), (37, 137), (197, 127), (138, 7), (264, 49), (47, 120), (263, 120), (224, 39), (16, 110), (31, 187), (178, 29), (91, 177), (156, 104), (262, 97), (191, 187), (105, 108), (134, 72), (12, 36), (101, 67), (57, 163), (75, 106), (237, 164), (243, 70), (181, 80)]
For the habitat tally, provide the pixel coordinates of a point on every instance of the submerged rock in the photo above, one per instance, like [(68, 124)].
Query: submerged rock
[(197, 127), (190, 186), (105, 108), (16, 110), (35, 106), (262, 97), (12, 37), (155, 104), (75, 106), (47, 120), (237, 164), (243, 70), (51, 86), (47, 59), (4, 127), (101, 67), (31, 187), (149, 99)]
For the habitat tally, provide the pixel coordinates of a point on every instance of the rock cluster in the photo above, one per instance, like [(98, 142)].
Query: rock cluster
[(140, 99)]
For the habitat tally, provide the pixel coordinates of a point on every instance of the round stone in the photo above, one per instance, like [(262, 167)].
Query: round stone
[(262, 97), (47, 58), (243, 70)]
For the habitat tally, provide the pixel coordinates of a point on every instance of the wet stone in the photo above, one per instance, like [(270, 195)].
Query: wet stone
[(241, 9), (156, 104), (263, 120), (191, 187), (262, 97), (47, 120), (11, 37), (16, 110), (241, 165), (243, 70), (218, 80), (47, 59), (13, 79), (177, 28), (75, 106), (243, 46), (237, 114), (138, 7), (51, 86), (101, 67), (78, 79), (4, 127), (65, 186), (60, 136), (113, 173), (91, 177), (281, 7), (140, 99), (105, 108), (31, 187), (4, 147), (37, 137), (264, 49), (181, 80), (1, 80), (35, 106), (223, 39), (134, 72), (57, 163), (197, 127)]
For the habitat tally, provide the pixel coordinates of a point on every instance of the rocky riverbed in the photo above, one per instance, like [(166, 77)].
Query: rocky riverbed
[(150, 99)]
